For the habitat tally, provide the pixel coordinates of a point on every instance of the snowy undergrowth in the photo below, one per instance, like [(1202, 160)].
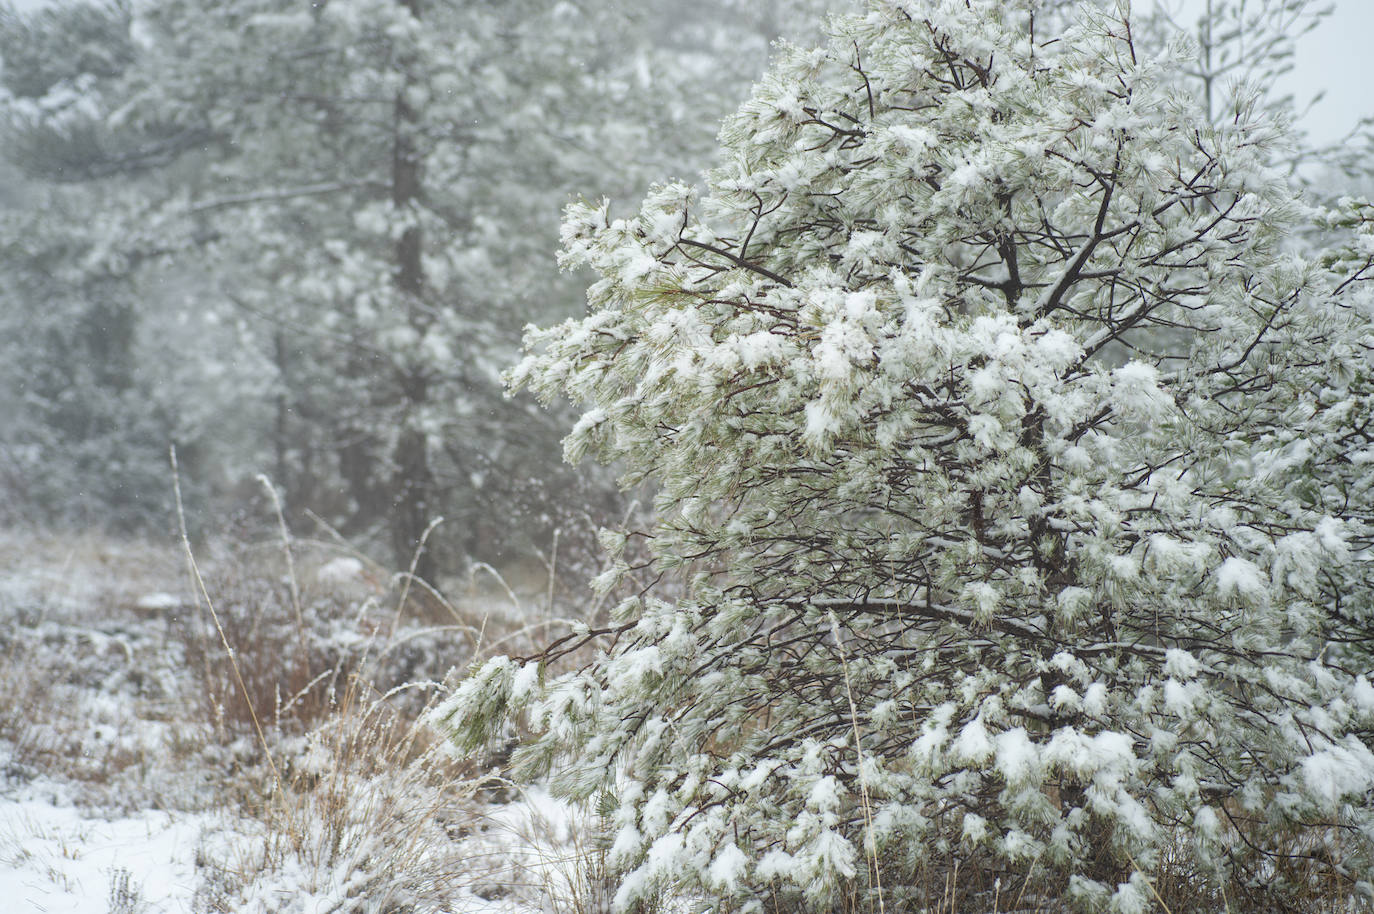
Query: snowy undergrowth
[(137, 778)]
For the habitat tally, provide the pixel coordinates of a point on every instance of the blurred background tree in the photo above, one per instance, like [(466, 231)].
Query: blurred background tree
[(302, 239)]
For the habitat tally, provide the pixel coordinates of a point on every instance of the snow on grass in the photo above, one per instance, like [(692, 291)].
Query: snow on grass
[(58, 860), (134, 781)]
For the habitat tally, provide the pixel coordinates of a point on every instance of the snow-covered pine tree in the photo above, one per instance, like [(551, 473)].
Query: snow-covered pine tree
[(359, 161), (83, 433), (1321, 447), (961, 383)]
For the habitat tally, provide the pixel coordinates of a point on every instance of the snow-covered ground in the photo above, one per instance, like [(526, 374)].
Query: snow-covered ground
[(133, 779), (58, 859)]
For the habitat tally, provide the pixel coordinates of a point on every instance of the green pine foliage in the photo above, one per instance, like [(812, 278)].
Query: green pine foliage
[(1006, 462)]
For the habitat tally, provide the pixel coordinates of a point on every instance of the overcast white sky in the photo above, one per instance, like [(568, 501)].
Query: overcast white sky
[(1337, 57)]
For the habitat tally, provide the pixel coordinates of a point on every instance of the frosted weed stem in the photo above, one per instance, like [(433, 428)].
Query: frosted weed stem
[(290, 563), (864, 798), (410, 574), (199, 582)]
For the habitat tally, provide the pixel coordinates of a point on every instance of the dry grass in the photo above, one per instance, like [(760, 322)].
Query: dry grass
[(359, 806), (370, 814), (289, 714), (87, 687)]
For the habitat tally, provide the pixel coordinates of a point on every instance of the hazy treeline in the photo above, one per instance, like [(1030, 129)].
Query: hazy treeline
[(301, 239)]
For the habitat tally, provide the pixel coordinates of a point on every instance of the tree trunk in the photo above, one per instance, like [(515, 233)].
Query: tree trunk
[(413, 482)]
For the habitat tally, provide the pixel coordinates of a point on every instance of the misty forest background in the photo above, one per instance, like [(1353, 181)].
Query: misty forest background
[(301, 240)]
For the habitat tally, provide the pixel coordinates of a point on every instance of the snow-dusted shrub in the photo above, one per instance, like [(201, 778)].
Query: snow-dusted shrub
[(966, 383), (364, 816), (298, 637), (266, 653)]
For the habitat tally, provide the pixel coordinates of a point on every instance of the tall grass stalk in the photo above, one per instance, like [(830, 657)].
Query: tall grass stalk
[(286, 551), (410, 576), (864, 797), (198, 581)]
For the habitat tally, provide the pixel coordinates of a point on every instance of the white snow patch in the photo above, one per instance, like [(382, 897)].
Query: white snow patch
[(1180, 664), (1136, 392), (158, 601), (1363, 695), (54, 860), (726, 868), (342, 570), (1017, 757), (973, 745), (1238, 578), (1338, 772)]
